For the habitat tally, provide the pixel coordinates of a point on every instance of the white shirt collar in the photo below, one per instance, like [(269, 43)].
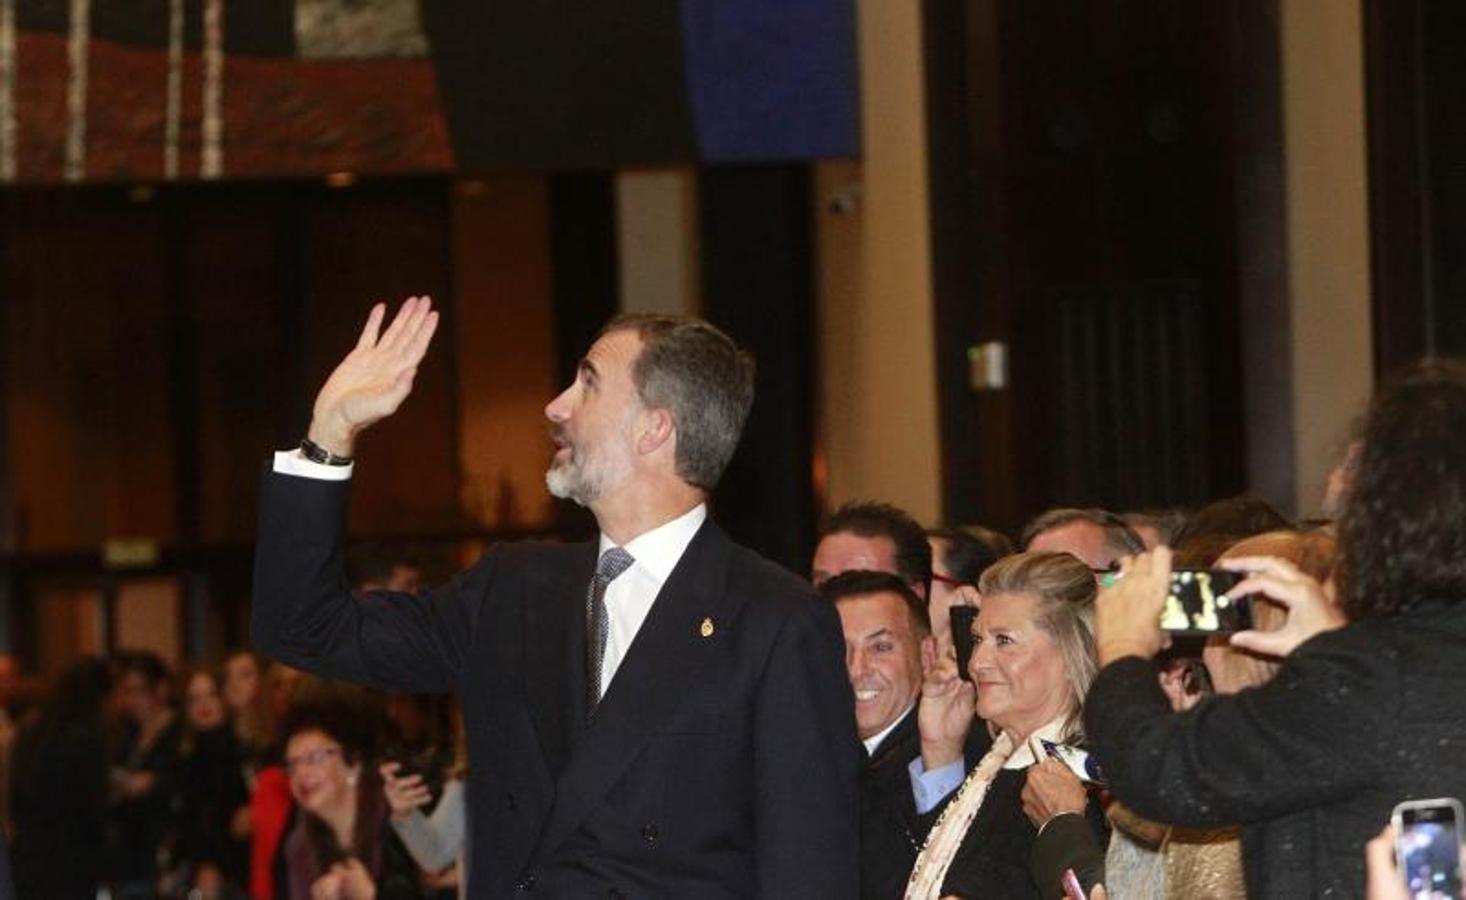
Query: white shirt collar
[(874, 741), (657, 551)]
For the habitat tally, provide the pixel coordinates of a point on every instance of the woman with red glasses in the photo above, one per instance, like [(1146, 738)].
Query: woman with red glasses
[(341, 846)]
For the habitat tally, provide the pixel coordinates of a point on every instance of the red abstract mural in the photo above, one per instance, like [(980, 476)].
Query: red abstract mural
[(189, 89)]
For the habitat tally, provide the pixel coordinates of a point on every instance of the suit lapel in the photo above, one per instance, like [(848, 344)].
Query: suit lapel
[(904, 735), (662, 660), (554, 649)]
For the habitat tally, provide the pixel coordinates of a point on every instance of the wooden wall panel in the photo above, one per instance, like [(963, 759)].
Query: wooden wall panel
[(88, 372), (505, 346), (149, 616), (68, 624), (386, 242), (242, 386)]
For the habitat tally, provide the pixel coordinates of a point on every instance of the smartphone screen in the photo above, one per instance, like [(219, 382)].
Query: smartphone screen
[(1428, 847), (1197, 603), (962, 619)]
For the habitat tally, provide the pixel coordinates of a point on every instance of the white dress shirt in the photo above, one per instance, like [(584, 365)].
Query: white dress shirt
[(628, 599), (874, 741)]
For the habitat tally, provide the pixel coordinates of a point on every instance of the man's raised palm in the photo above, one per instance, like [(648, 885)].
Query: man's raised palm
[(375, 377)]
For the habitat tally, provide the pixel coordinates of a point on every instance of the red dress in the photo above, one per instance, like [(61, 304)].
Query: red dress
[(269, 813)]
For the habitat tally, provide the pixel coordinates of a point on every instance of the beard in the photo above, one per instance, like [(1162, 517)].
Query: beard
[(584, 474), (568, 479)]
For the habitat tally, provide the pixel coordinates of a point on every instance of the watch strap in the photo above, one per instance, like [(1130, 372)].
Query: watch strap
[(318, 454)]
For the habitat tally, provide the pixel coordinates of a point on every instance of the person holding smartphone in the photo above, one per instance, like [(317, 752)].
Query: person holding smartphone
[(1365, 709)]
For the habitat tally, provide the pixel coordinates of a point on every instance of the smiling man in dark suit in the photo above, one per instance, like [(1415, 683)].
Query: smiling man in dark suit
[(658, 713), (889, 648)]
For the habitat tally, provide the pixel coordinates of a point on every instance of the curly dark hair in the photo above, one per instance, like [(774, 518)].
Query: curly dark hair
[(1402, 535)]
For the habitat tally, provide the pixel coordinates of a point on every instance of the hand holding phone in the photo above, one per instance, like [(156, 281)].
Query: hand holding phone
[(1310, 611), (1428, 847), (1198, 604), (962, 619), (944, 714)]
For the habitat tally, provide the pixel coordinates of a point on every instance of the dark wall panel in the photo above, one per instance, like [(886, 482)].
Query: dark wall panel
[(757, 285), (1077, 150), (1417, 144)]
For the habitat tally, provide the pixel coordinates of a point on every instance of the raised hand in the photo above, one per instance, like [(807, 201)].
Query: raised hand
[(375, 377), (356, 881), (406, 794), (1310, 611), (945, 715), (328, 886), (1173, 684), (1127, 613)]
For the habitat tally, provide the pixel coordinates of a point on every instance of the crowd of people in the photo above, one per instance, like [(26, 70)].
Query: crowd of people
[(245, 779), (663, 714), (1257, 763)]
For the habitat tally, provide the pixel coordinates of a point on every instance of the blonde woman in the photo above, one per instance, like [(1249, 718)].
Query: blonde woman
[(1032, 663)]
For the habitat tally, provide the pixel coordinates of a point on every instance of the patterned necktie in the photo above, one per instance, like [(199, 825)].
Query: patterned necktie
[(597, 621)]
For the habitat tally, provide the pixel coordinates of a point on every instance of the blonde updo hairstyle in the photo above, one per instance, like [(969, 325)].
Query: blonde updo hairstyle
[(1064, 587)]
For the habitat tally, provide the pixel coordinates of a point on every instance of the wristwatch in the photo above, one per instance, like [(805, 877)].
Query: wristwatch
[(318, 454)]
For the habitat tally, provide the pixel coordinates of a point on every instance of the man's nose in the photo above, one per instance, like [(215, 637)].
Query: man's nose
[(558, 409)]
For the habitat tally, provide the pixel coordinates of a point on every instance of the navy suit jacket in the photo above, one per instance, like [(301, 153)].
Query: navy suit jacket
[(722, 761)]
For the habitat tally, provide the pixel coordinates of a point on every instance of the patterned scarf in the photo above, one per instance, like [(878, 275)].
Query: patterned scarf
[(946, 835)]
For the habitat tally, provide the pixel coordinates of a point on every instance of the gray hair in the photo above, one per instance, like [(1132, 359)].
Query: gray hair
[(699, 375), (1065, 589), (1120, 538)]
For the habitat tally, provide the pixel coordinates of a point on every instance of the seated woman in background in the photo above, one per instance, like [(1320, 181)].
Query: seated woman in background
[(247, 705), (341, 847), (212, 846), (143, 770), (1031, 666)]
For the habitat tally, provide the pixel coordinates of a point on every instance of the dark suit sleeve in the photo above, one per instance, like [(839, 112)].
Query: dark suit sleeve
[(306, 616), (806, 763), (1069, 841), (1246, 757)]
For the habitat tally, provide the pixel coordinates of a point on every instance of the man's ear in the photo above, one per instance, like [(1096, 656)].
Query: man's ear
[(928, 653), (655, 430)]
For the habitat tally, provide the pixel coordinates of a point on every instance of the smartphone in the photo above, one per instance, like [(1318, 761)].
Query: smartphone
[(962, 619), (1078, 761), (1428, 847), (1073, 890), (1197, 603), (432, 778)]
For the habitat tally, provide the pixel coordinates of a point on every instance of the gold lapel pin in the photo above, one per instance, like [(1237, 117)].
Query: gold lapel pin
[(707, 628)]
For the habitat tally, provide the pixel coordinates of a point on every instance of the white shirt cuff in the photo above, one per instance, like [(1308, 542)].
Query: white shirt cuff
[(293, 462)]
